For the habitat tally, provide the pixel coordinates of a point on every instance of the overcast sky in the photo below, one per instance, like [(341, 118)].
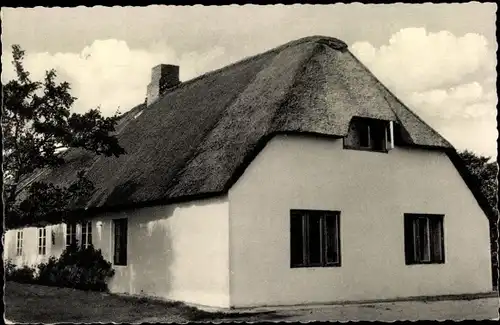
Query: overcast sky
[(439, 59)]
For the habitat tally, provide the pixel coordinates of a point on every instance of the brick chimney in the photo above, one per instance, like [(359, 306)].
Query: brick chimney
[(163, 77)]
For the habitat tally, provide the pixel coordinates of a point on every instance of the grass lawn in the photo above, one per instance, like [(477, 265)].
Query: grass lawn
[(27, 303)]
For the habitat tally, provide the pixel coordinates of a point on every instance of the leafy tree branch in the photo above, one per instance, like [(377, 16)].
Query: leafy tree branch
[(36, 124)]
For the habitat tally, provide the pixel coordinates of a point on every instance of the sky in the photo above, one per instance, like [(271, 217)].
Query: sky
[(439, 59)]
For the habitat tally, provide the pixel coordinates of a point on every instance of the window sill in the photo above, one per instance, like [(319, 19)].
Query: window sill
[(366, 149), (314, 266), (424, 263)]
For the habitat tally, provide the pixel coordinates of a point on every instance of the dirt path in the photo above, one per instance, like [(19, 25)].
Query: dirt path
[(477, 309)]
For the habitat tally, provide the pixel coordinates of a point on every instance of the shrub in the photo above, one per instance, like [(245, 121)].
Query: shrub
[(23, 274), (79, 268), (9, 268), (47, 272)]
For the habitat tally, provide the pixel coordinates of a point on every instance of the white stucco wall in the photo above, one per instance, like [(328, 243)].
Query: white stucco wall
[(30, 254), (178, 252), (372, 191)]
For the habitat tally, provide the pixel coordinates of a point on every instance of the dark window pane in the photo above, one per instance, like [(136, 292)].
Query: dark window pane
[(388, 133), (124, 242), (296, 239), (332, 239), (436, 227), (416, 241), (377, 135), (364, 135), (314, 239), (120, 251), (424, 245)]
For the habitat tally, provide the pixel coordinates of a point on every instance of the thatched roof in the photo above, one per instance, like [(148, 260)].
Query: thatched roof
[(197, 139)]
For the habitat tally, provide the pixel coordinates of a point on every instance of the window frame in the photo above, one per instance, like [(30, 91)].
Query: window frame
[(86, 234), (368, 124), (71, 234), (19, 242), (42, 241), (306, 253), (412, 238), (120, 258)]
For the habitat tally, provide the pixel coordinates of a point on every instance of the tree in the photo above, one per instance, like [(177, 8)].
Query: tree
[(37, 124), (485, 173)]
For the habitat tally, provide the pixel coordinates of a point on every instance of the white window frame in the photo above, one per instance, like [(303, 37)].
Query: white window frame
[(42, 241), (19, 242), (390, 141), (71, 232), (86, 234)]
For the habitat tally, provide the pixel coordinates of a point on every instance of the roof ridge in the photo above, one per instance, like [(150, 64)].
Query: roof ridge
[(327, 40)]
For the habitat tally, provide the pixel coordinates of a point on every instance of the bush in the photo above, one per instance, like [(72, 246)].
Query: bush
[(79, 268), (9, 268), (24, 274)]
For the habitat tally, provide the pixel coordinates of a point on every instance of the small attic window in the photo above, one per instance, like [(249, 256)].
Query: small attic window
[(369, 134)]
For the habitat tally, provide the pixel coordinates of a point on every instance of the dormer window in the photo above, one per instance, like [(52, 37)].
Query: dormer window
[(369, 134)]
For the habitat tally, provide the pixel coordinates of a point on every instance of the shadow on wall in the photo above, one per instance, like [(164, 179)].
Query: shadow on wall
[(149, 247), (150, 252), (57, 240)]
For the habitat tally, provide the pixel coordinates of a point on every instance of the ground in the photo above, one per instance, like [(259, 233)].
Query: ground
[(41, 304), (29, 303), (476, 309)]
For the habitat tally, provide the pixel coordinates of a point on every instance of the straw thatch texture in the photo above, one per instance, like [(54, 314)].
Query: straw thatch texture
[(198, 137)]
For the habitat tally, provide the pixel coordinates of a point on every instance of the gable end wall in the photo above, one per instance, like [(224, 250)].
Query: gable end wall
[(373, 191)]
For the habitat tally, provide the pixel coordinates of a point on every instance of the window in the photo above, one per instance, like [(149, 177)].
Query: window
[(314, 238), (424, 240), (87, 234), (19, 243), (42, 241), (120, 247), (369, 134), (70, 234)]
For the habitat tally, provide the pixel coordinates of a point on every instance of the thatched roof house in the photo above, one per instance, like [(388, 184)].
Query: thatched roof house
[(291, 177), (198, 137)]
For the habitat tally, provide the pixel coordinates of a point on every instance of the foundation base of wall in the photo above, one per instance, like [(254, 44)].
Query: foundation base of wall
[(468, 296)]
